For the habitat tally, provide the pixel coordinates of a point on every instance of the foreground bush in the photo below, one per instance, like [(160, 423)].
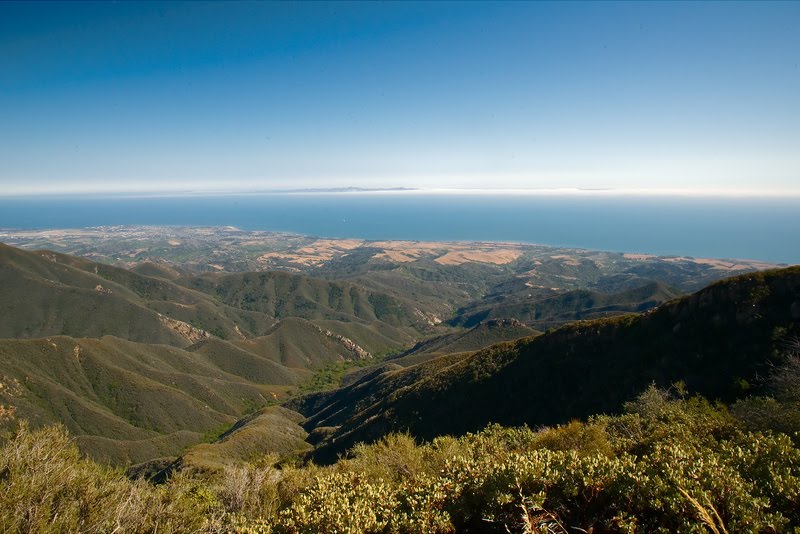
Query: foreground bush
[(45, 486), (667, 465)]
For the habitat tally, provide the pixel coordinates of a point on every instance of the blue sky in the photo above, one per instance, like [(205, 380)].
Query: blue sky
[(171, 96)]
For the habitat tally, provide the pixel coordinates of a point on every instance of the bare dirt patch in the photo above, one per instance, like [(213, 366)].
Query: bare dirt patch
[(397, 256), (496, 257), (315, 253), (724, 265)]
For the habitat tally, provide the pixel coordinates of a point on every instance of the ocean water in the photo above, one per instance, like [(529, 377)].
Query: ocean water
[(760, 229)]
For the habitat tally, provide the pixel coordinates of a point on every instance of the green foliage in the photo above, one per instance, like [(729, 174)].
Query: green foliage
[(585, 439), (339, 502), (666, 465), (781, 411), (767, 413), (330, 376), (394, 458)]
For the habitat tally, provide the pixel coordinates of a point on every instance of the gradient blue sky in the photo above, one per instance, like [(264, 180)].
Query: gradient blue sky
[(155, 96)]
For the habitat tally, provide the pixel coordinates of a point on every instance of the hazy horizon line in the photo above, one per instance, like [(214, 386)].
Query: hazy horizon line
[(401, 190)]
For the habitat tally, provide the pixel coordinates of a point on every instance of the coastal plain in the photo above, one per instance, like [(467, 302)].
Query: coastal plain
[(231, 249)]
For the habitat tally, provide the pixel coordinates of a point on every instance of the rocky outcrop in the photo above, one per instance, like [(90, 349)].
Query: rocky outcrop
[(348, 344), (187, 331), (429, 319), (500, 323)]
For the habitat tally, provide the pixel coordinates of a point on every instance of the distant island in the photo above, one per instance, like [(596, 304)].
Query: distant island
[(344, 190)]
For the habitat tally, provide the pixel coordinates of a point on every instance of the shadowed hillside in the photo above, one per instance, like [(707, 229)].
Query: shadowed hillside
[(546, 308), (717, 341), (487, 333)]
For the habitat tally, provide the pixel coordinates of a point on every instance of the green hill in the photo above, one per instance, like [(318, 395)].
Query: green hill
[(264, 368), (280, 294), (718, 341), (139, 367), (46, 293), (302, 344), (546, 308), (196, 364), (273, 430), (438, 288), (41, 296), (128, 402), (158, 270)]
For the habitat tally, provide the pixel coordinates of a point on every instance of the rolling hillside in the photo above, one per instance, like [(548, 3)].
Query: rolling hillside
[(43, 296), (129, 402), (280, 294), (302, 344), (273, 430), (126, 401), (46, 293), (139, 367)]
